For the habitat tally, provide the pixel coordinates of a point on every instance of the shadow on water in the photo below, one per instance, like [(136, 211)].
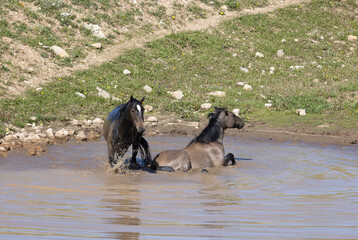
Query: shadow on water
[(276, 191)]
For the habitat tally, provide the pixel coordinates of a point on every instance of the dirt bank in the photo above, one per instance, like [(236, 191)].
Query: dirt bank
[(35, 139)]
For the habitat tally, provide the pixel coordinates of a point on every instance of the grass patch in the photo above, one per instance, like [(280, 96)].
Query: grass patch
[(313, 38)]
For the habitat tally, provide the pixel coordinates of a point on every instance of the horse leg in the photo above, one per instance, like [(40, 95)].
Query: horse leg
[(111, 157), (133, 163), (148, 156), (229, 157)]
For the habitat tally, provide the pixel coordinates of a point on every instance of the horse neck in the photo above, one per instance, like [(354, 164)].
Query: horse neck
[(126, 119), (222, 130)]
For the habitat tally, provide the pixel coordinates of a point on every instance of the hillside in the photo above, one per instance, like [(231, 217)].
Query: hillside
[(267, 61)]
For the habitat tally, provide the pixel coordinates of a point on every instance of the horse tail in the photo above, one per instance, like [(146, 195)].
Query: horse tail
[(155, 166)]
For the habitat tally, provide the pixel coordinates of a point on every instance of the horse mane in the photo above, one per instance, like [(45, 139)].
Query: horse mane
[(212, 131)]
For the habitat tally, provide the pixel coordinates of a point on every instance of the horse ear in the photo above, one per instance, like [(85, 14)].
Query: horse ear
[(131, 99), (142, 100)]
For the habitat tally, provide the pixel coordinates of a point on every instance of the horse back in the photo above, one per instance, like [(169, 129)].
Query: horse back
[(203, 155), (111, 121), (177, 159)]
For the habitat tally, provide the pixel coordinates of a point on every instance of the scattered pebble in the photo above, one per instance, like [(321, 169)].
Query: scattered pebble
[(218, 94), (148, 108), (152, 119), (59, 52), (177, 94), (96, 45), (206, 106), (280, 53), (260, 55), (126, 72), (95, 29), (244, 69), (147, 88), (80, 95), (301, 112), (352, 38), (247, 87)]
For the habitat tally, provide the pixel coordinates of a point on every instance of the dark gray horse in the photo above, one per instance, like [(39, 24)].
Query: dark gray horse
[(124, 127), (206, 150)]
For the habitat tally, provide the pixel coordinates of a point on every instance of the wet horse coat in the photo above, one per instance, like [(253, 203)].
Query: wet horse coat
[(206, 150), (124, 127)]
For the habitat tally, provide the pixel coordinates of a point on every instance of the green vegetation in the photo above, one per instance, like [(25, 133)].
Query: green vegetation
[(313, 38)]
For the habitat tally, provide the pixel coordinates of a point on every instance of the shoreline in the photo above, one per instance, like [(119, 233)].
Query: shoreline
[(35, 139)]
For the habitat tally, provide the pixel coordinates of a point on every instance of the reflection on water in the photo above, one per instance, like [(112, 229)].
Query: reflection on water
[(278, 191)]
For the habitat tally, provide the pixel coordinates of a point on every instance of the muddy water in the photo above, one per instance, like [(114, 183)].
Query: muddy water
[(279, 191)]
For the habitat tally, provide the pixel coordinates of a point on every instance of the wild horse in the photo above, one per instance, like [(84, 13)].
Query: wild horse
[(124, 127), (206, 150)]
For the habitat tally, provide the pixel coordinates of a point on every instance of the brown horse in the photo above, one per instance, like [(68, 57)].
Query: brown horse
[(204, 151), (124, 127)]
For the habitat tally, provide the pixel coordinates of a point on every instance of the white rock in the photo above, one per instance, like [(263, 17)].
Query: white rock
[(39, 89), (283, 40), (81, 136), (81, 95), (260, 55), (76, 122), (59, 52), (280, 53), (49, 133), (218, 94), (236, 111), (297, 67), (21, 136), (206, 106), (193, 124), (61, 134), (87, 123), (96, 45), (244, 69), (234, 55), (152, 119), (268, 105), (97, 121), (352, 38), (126, 72), (42, 135), (301, 112), (95, 29), (324, 125), (33, 137), (105, 94), (147, 88), (148, 108), (240, 83), (177, 94), (65, 14), (247, 87)]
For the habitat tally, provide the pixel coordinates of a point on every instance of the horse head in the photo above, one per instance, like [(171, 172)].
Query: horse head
[(135, 110), (229, 119)]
